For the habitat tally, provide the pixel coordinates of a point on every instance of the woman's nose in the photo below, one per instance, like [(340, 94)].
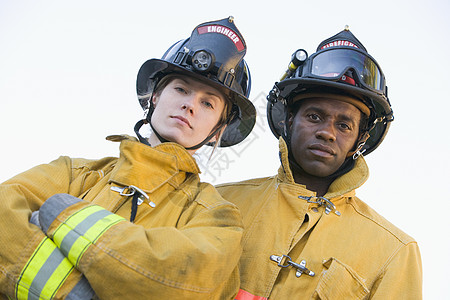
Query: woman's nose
[(189, 103)]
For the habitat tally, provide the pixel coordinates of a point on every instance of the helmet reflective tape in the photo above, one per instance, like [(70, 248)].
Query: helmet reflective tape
[(82, 229), (44, 273), (334, 63)]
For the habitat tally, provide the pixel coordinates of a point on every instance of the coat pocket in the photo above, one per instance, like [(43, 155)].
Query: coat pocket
[(339, 281)]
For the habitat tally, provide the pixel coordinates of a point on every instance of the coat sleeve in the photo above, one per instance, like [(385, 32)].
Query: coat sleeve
[(30, 263), (402, 278), (196, 260)]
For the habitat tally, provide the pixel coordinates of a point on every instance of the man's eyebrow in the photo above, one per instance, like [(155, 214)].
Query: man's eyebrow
[(341, 116), (347, 118)]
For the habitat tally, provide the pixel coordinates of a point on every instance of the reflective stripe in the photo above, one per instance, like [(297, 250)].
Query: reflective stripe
[(244, 295), (44, 273), (82, 229)]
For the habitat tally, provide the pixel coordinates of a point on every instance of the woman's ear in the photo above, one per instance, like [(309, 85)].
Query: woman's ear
[(154, 100), (218, 135), (213, 139)]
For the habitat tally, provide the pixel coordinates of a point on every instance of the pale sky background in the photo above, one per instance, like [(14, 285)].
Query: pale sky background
[(68, 71)]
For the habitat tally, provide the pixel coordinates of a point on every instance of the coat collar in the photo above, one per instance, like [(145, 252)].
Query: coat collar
[(343, 185), (150, 167)]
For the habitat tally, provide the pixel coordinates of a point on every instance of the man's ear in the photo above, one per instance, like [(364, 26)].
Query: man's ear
[(290, 120)]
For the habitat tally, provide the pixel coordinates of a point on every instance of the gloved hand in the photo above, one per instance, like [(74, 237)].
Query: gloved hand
[(35, 219), (53, 207)]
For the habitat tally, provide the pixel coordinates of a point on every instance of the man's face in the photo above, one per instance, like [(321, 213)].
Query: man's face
[(322, 133)]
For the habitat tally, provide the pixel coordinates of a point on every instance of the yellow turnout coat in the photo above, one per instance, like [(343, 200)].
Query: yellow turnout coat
[(298, 246), (185, 247)]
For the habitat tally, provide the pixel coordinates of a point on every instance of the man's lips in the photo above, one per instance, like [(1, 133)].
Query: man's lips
[(322, 150), (182, 119)]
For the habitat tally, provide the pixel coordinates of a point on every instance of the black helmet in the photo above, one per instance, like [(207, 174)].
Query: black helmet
[(214, 55), (342, 66)]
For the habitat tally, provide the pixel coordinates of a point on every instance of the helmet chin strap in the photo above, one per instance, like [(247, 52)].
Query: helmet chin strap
[(361, 142)]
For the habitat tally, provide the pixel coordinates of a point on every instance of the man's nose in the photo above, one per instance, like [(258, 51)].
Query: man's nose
[(327, 132)]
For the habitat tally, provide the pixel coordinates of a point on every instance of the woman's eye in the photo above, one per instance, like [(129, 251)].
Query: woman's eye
[(208, 104), (180, 89)]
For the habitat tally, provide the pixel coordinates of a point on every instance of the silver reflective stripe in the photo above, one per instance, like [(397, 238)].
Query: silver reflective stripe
[(81, 229), (44, 273), (41, 278)]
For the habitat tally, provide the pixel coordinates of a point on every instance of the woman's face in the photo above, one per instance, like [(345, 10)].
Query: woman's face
[(186, 111)]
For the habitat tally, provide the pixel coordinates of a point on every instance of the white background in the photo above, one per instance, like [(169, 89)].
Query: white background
[(68, 71)]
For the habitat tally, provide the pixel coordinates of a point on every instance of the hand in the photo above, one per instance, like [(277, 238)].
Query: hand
[(35, 219)]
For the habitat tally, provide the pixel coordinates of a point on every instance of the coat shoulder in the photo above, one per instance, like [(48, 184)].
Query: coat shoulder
[(93, 164), (209, 197), (245, 184), (367, 212)]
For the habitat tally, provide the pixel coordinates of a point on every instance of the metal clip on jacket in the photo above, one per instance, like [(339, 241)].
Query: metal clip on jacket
[(329, 206), (285, 261), (130, 191)]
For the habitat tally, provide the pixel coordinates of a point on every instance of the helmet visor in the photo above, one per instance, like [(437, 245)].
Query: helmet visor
[(334, 63)]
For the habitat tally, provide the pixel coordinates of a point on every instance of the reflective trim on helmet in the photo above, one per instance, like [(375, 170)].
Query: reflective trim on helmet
[(44, 273), (82, 229), (332, 64)]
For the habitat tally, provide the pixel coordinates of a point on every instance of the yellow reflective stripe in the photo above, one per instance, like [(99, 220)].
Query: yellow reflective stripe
[(80, 215), (79, 242), (44, 273), (82, 229)]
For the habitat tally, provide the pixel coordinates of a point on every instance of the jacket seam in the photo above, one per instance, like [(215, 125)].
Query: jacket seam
[(389, 260), (259, 182)]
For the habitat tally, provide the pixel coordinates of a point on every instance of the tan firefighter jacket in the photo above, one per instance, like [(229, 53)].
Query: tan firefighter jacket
[(299, 246), (185, 247)]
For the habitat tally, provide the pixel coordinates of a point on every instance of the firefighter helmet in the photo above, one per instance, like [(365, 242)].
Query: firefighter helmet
[(341, 65), (214, 55)]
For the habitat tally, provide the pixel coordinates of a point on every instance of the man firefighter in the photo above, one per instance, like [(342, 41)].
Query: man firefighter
[(307, 236)]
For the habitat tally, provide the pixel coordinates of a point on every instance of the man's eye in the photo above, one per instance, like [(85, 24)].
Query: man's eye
[(344, 126), (314, 117)]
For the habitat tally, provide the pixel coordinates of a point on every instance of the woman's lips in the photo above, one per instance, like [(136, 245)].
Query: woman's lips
[(182, 119)]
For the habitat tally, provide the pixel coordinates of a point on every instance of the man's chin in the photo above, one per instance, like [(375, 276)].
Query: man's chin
[(319, 170)]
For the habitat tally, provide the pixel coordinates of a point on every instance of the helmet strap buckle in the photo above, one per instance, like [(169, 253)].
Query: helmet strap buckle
[(358, 151)]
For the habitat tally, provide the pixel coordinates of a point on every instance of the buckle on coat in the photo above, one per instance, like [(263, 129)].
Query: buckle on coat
[(329, 206), (285, 261), (130, 191)]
